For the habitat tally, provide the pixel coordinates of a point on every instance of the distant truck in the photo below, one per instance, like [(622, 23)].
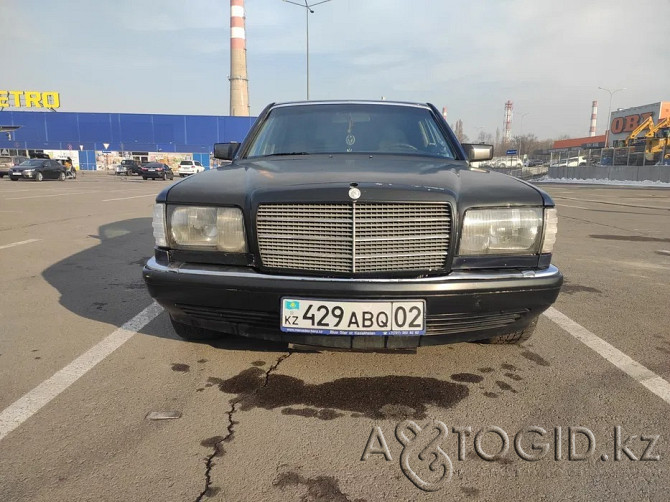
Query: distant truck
[(509, 162), (576, 161)]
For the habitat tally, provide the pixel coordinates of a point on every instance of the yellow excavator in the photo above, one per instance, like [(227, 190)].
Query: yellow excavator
[(655, 139)]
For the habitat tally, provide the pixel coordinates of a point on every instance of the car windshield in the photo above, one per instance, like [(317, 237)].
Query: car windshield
[(127, 162), (32, 162), (350, 128)]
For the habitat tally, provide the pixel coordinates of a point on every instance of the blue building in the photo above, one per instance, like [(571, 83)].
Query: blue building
[(89, 135)]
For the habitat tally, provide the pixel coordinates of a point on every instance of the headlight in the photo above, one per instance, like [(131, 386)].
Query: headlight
[(217, 228), (28, 171), (159, 225), (501, 231)]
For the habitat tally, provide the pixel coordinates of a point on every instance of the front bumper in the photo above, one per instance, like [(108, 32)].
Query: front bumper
[(461, 306)]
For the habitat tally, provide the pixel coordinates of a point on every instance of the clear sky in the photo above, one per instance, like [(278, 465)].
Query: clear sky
[(172, 56)]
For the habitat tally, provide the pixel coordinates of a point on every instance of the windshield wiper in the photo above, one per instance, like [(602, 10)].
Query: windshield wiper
[(285, 153)]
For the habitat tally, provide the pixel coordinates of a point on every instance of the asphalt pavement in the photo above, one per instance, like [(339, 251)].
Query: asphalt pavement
[(579, 412)]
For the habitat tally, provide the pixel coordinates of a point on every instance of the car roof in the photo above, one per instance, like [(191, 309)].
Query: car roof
[(351, 101)]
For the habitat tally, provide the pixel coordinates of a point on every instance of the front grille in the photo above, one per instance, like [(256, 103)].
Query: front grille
[(251, 318), (436, 324), (450, 324), (354, 237)]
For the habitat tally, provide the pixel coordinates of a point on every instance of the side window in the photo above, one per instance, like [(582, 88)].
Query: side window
[(198, 164)]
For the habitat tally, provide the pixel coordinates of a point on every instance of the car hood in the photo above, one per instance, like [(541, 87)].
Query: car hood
[(328, 178)]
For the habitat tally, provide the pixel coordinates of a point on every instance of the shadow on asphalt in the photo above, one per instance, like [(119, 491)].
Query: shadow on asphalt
[(104, 282)]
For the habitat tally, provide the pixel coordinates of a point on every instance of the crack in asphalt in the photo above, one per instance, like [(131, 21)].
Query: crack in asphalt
[(218, 449)]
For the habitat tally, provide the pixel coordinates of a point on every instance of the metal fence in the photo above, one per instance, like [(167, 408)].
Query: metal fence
[(626, 156)]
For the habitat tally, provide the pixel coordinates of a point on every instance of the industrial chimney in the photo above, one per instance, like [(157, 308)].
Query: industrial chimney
[(239, 84), (594, 117), (507, 135)]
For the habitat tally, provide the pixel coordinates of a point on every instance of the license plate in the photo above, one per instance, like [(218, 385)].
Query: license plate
[(339, 317), (151, 169)]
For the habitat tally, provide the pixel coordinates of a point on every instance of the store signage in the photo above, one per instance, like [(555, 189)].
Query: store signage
[(629, 122), (29, 99)]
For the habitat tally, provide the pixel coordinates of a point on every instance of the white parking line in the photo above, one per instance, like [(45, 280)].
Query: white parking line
[(29, 404), (14, 244), (52, 195), (576, 207), (134, 197), (632, 368)]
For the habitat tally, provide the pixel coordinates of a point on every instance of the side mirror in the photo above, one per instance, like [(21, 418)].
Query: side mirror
[(478, 152), (225, 151)]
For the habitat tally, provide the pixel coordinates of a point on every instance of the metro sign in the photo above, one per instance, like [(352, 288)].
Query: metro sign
[(29, 99)]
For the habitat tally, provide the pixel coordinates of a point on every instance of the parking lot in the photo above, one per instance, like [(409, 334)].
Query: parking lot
[(85, 358)]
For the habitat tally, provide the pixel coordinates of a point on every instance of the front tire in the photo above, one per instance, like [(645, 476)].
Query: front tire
[(39, 176), (193, 333), (61, 176), (164, 176), (144, 178), (13, 178), (517, 337)]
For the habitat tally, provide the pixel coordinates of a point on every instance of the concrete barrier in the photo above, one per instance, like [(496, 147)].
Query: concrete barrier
[(617, 173), (622, 173)]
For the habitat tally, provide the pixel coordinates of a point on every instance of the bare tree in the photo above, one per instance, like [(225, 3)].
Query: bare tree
[(485, 137), (458, 131)]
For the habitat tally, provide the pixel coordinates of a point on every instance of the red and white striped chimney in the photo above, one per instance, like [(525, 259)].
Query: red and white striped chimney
[(594, 117), (507, 134), (239, 84)]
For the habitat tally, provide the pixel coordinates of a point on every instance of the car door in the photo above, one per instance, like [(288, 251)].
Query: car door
[(55, 168), (44, 168)]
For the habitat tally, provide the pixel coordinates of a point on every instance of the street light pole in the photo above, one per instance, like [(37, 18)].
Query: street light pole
[(308, 10), (609, 112)]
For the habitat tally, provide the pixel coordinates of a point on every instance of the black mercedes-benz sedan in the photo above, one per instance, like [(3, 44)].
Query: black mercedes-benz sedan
[(354, 224)]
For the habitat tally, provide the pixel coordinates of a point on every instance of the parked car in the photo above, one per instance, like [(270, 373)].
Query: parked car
[(128, 167), (156, 170), (38, 170), (576, 161), (354, 224), (188, 167), (9, 161), (511, 162)]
